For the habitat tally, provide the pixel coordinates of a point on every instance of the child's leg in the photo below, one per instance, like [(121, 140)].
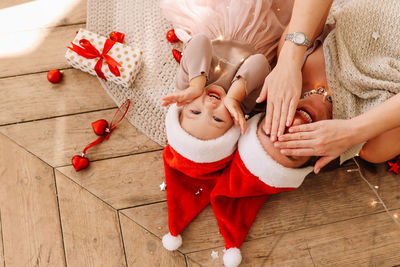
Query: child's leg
[(382, 147)]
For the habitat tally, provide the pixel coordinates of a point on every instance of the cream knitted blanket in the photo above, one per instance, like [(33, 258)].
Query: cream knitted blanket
[(144, 28), (362, 56)]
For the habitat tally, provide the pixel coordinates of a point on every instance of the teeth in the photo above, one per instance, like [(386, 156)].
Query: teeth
[(308, 116), (213, 95)]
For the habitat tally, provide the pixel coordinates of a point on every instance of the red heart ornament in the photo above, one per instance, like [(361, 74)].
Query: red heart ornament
[(99, 127), (80, 163), (171, 36), (177, 55)]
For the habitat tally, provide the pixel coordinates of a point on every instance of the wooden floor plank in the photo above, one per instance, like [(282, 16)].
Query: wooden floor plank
[(32, 97), (123, 182), (278, 250), (144, 249), (46, 50), (192, 263), (372, 240), (2, 263), (332, 196), (55, 13), (201, 233), (57, 140), (90, 227), (29, 211)]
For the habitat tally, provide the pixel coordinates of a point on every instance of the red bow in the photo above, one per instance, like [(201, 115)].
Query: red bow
[(89, 51)]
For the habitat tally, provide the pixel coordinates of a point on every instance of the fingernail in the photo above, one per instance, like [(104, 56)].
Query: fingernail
[(290, 130), (272, 138), (283, 151), (279, 133), (276, 144), (266, 130), (317, 171)]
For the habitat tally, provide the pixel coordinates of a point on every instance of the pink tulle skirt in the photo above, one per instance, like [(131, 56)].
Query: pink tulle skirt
[(259, 23)]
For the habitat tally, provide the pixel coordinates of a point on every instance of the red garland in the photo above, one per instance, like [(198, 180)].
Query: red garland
[(101, 129), (89, 51)]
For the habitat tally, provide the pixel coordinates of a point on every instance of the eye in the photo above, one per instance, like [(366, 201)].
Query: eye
[(217, 119), (195, 112)]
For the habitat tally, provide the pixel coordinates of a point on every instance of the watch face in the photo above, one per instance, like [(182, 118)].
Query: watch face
[(299, 38)]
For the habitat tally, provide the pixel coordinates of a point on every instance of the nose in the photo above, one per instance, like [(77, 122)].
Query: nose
[(211, 103)]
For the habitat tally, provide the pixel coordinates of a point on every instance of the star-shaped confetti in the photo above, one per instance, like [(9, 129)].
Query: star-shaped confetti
[(375, 35), (394, 167), (163, 186), (214, 254)]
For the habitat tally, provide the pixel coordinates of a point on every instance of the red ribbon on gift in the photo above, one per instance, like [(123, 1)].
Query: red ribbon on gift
[(89, 51)]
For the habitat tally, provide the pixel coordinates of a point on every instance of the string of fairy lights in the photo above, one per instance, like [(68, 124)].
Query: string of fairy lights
[(379, 200)]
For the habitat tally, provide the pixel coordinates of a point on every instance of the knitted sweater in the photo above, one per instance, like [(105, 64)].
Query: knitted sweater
[(362, 56)]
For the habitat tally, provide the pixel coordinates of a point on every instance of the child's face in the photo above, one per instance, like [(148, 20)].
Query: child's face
[(206, 116)]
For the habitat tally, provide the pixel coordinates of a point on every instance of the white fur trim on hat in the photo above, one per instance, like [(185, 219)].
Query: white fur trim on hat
[(171, 242), (260, 164), (200, 151), (232, 257)]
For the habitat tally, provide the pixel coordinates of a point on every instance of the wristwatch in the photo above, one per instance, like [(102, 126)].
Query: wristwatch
[(298, 38)]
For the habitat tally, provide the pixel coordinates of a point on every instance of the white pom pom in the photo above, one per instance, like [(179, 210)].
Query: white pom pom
[(171, 242), (232, 257)]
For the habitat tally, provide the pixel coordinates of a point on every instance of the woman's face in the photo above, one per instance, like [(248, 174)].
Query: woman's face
[(310, 109)]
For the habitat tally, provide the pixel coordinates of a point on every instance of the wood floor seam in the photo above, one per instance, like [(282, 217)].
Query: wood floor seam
[(55, 117), (116, 157), (122, 239), (59, 217), (141, 205), (87, 190), (2, 240), (23, 148), (31, 73)]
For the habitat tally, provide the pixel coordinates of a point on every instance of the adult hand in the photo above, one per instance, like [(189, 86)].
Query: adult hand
[(282, 89), (327, 138)]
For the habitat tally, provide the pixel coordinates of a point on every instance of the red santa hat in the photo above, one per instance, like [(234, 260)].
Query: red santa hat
[(192, 167), (243, 188)]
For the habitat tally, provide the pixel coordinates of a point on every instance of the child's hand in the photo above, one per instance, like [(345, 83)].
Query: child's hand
[(183, 97), (236, 112)]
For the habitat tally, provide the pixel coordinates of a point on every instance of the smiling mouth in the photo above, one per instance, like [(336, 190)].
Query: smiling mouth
[(306, 115), (214, 95)]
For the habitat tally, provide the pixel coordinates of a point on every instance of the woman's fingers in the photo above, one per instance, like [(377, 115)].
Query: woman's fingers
[(282, 121), (268, 117), (296, 136), (275, 121), (307, 127), (322, 162), (296, 144), (263, 93), (291, 111), (298, 152)]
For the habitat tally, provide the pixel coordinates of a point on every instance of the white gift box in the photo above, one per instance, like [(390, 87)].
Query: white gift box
[(130, 58)]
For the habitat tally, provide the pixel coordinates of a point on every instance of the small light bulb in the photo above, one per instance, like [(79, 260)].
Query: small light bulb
[(217, 68), (373, 203), (395, 215)]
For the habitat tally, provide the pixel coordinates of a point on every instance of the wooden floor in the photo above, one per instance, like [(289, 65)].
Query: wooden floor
[(114, 214)]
